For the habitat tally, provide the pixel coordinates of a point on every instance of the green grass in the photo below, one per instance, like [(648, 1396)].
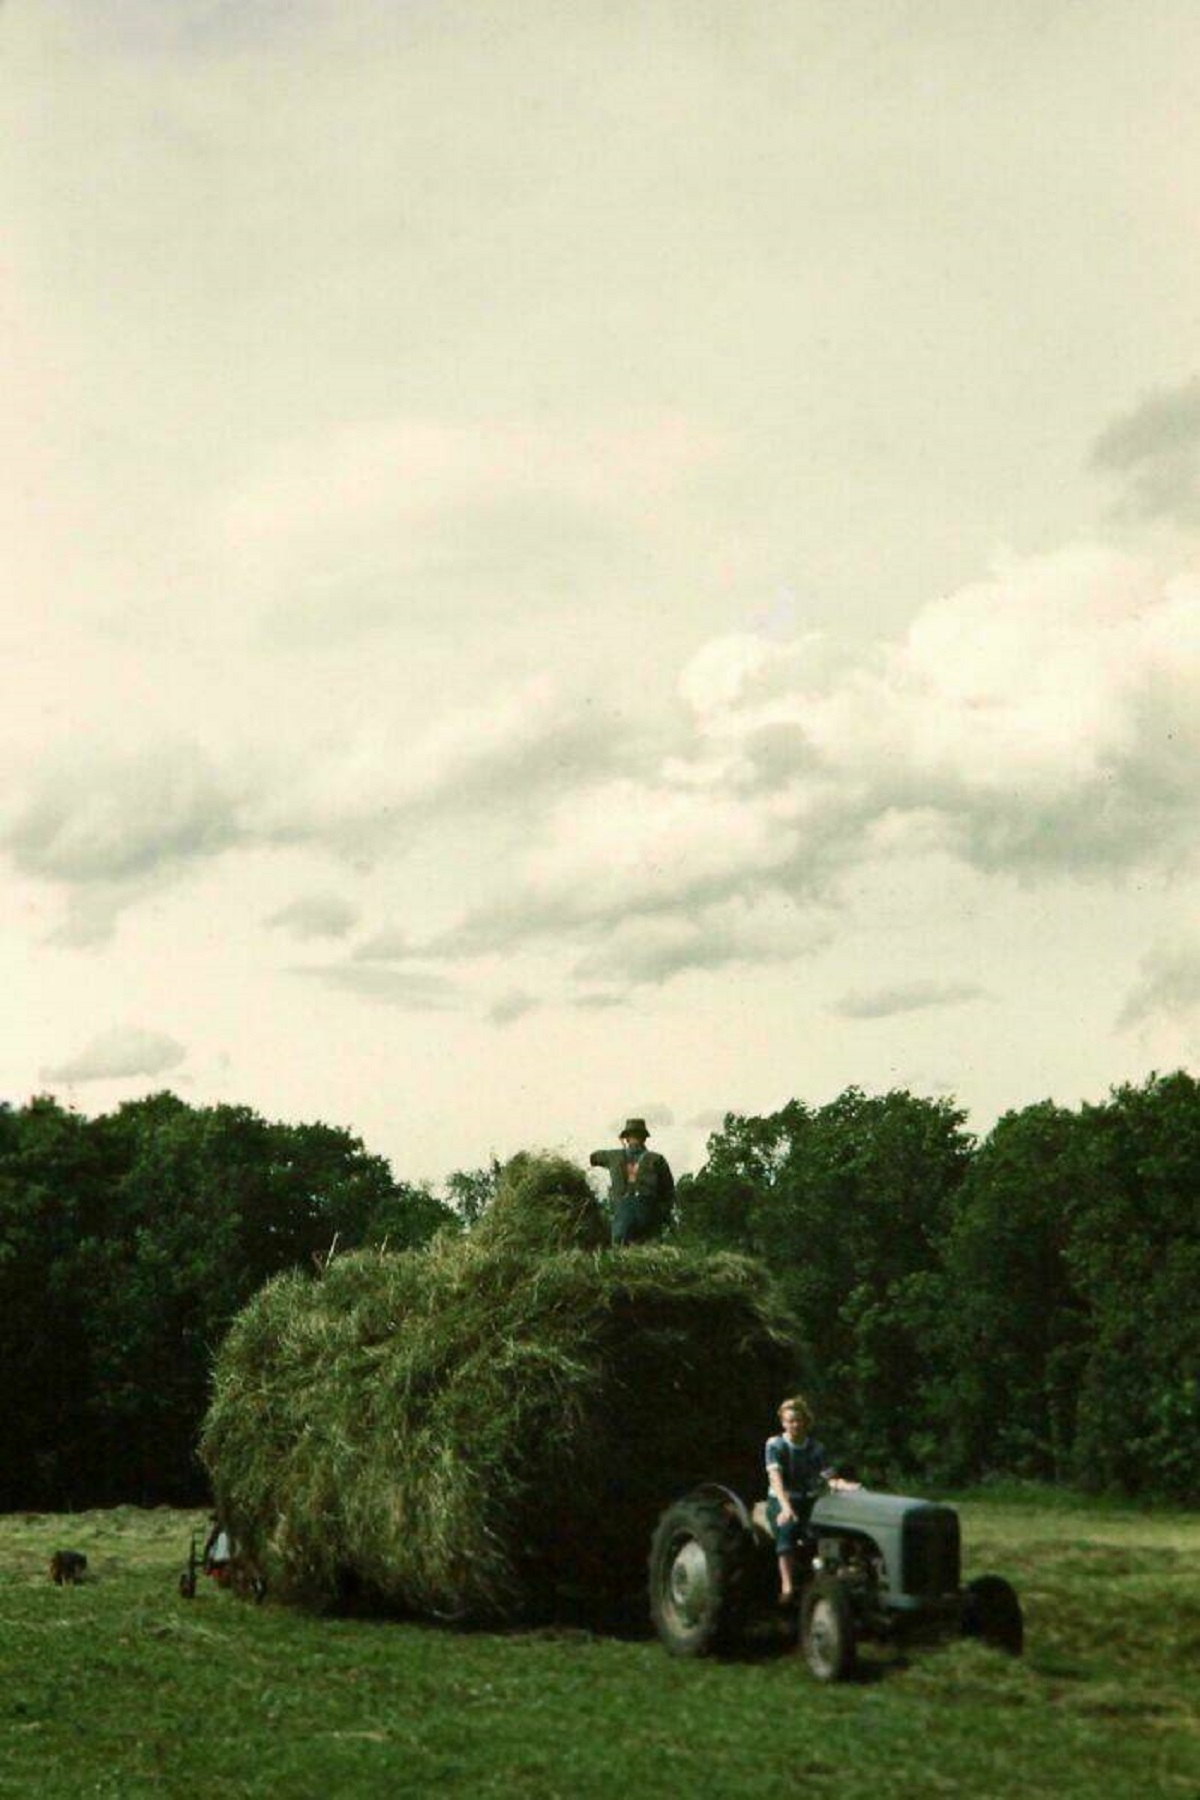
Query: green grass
[(121, 1688)]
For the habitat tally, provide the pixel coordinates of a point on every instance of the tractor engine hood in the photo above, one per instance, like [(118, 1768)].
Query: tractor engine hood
[(861, 1509)]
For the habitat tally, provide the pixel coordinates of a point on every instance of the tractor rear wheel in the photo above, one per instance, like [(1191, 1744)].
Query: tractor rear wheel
[(699, 1563)]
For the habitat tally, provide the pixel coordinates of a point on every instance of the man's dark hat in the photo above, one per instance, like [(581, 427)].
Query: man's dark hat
[(635, 1128)]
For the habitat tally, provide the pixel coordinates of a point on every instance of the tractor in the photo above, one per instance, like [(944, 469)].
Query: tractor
[(882, 1567)]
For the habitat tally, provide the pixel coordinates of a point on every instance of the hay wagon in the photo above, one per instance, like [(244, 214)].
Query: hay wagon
[(883, 1566), (488, 1426)]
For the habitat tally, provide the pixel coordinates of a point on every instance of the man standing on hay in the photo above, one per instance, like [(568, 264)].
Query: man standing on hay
[(641, 1186)]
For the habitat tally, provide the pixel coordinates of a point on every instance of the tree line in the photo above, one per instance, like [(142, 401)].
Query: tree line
[(1024, 1305), (1027, 1305), (127, 1244)]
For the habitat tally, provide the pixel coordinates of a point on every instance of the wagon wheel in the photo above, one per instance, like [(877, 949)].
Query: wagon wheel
[(698, 1576), (992, 1613), (827, 1633)]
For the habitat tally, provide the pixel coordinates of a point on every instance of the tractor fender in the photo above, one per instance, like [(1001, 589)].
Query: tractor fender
[(713, 1490)]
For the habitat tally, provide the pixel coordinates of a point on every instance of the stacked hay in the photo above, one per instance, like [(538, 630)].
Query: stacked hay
[(473, 1427)]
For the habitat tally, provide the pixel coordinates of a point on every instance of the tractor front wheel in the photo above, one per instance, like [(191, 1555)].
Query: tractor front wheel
[(992, 1613), (827, 1631)]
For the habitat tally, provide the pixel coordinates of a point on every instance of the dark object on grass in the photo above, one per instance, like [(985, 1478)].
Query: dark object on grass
[(187, 1578), (242, 1575), (250, 1583), (882, 1566), (992, 1613), (482, 1427), (228, 1570), (67, 1567)]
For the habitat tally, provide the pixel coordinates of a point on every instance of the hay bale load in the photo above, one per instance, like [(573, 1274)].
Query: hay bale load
[(476, 1427)]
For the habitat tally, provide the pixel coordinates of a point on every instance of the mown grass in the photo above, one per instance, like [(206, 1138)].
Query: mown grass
[(121, 1688)]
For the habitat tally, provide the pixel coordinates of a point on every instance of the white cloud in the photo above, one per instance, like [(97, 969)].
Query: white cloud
[(1155, 450), (380, 782), (97, 817), (652, 947), (393, 521), (709, 1120), (905, 997), (109, 827), (117, 1054), (1168, 985), (1048, 718), (633, 845), (512, 1006), (92, 912), (388, 945), (1041, 723), (412, 990), (316, 916)]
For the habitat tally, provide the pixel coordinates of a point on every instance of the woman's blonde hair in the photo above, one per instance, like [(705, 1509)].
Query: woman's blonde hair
[(798, 1404)]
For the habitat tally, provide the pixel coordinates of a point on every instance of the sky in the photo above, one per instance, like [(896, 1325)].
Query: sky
[(564, 559)]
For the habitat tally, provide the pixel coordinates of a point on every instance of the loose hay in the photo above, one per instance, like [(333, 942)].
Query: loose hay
[(473, 1427)]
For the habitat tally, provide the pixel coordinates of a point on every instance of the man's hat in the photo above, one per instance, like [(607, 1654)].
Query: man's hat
[(635, 1128)]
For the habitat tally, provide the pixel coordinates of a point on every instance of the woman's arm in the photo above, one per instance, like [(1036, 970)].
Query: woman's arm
[(775, 1483)]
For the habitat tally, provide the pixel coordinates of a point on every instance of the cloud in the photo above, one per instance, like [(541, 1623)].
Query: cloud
[(118, 1054), (1040, 723), (388, 945), (111, 826), (512, 1006), (389, 522), (907, 997), (534, 737), (316, 916), (616, 856), (1155, 449), (414, 990), (114, 818), (93, 911), (650, 948), (527, 745), (107, 826), (711, 1120), (143, 28), (1168, 986)]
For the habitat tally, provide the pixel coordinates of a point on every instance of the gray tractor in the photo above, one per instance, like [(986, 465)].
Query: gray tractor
[(883, 1567)]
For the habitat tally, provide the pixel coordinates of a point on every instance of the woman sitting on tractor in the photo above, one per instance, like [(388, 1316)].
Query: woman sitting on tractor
[(796, 1474)]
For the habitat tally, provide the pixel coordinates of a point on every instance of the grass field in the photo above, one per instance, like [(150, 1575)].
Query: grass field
[(121, 1688)]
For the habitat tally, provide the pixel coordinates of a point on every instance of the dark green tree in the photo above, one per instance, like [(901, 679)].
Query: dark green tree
[(1134, 1260), (127, 1244), (1009, 1340), (848, 1204), (56, 1175), (407, 1217)]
